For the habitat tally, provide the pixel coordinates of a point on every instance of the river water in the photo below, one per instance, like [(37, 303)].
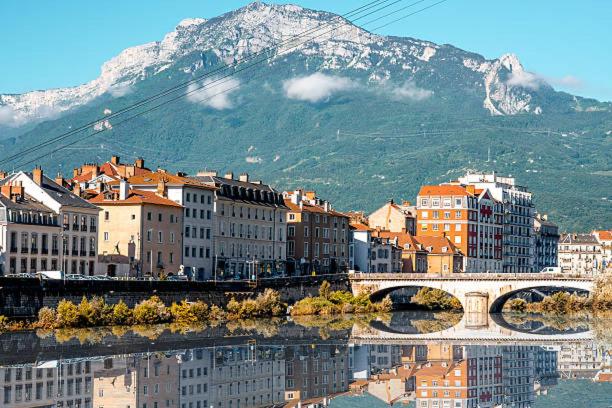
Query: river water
[(414, 359)]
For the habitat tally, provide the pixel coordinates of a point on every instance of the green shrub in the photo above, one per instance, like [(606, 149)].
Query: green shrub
[(94, 313), (47, 318), (151, 311), (436, 299), (67, 314), (4, 323), (517, 305), (269, 304), (325, 290), (122, 314), (186, 313)]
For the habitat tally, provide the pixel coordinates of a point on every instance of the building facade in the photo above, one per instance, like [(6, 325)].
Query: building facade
[(470, 218), (580, 253), (518, 214), (140, 232), (250, 227), (386, 255), (317, 235), (77, 217), (30, 233), (605, 240), (394, 217), (197, 199), (546, 236)]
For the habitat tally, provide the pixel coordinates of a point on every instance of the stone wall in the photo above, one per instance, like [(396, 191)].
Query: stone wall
[(24, 297)]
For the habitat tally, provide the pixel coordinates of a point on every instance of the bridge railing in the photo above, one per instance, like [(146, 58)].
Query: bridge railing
[(467, 276)]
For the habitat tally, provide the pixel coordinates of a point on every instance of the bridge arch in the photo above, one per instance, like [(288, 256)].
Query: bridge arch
[(498, 303), (378, 295)]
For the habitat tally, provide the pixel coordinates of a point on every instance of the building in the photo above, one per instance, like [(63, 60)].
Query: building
[(394, 217), (196, 370), (315, 372), (414, 256), (519, 375), (580, 253), (442, 256), (55, 383), (605, 240), (317, 235), (360, 241), (92, 178), (518, 214), (78, 219), (250, 221), (546, 236), (30, 233), (197, 199), (140, 232), (386, 255), (471, 218)]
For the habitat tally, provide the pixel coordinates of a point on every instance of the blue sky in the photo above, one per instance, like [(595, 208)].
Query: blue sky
[(47, 44)]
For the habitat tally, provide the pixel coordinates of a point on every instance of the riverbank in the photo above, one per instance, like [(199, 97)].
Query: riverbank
[(599, 301)]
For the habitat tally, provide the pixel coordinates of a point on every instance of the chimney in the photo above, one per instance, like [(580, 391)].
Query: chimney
[(326, 206), (244, 177), (59, 179), (296, 197), (470, 189), (123, 189), (95, 171), (229, 175), (2, 175), (139, 163), (161, 187), (37, 175), (7, 190), (77, 189), (115, 160), (75, 172)]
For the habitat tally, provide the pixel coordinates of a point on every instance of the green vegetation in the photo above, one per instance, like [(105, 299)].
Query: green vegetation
[(567, 303), (338, 302), (266, 304), (436, 299)]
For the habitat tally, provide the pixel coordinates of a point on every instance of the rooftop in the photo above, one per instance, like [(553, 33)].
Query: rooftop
[(134, 197)]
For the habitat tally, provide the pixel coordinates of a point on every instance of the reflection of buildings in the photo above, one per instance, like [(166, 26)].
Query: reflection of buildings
[(546, 374), (136, 381), (316, 371), (579, 360), (247, 376), (196, 373), (55, 384), (518, 375), (605, 373), (384, 356)]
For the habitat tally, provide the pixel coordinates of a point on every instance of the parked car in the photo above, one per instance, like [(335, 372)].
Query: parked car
[(551, 269), (76, 276), (50, 274)]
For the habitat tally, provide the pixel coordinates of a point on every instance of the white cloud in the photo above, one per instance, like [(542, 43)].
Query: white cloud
[(525, 79), (534, 81), (12, 117), (214, 93), (9, 117), (253, 159), (316, 87), (119, 90), (409, 90)]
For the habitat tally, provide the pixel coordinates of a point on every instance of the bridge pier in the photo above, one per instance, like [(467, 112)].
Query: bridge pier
[(476, 309)]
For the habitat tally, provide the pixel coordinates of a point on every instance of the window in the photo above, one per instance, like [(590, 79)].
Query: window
[(458, 202), (447, 227), (305, 249), (457, 239), (160, 237), (446, 215), (149, 216), (106, 215), (159, 217), (305, 231), (435, 202), (424, 202), (436, 214), (457, 227), (423, 227), (435, 227), (149, 235), (424, 214), (106, 237)]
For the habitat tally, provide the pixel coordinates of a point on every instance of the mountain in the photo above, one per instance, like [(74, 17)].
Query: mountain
[(358, 116)]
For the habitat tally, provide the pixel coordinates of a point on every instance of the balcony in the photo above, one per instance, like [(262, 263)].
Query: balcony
[(54, 251), (92, 253), (93, 228), (83, 253), (34, 251), (84, 228), (13, 250), (66, 227), (75, 227), (75, 252), (44, 251), (24, 250)]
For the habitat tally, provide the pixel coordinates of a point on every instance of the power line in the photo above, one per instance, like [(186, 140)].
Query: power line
[(185, 94), (182, 85)]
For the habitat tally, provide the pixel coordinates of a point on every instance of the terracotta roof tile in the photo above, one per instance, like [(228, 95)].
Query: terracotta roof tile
[(152, 178), (443, 190), (135, 197), (358, 226)]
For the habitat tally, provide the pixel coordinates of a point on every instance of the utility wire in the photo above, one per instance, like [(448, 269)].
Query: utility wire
[(219, 80), (182, 85)]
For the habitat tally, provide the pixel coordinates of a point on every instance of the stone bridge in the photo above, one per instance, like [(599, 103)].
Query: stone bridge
[(477, 292)]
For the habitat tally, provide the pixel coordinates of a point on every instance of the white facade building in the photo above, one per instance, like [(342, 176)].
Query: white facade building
[(580, 253), (78, 218)]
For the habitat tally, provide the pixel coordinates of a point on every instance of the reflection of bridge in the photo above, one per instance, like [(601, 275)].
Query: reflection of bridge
[(477, 292), (468, 331)]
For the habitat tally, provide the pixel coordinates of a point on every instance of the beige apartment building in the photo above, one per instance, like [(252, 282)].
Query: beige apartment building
[(250, 220), (394, 217), (140, 232)]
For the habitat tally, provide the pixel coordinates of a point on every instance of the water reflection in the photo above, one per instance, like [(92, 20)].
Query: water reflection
[(295, 365)]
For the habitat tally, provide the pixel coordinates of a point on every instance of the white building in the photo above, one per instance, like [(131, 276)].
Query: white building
[(386, 255), (250, 221), (518, 217), (580, 253), (360, 240), (29, 233), (78, 218), (197, 198)]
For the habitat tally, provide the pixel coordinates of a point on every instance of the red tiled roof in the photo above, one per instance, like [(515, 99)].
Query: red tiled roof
[(403, 238), (358, 226), (152, 178), (135, 197), (443, 190), (436, 244), (312, 209), (604, 235)]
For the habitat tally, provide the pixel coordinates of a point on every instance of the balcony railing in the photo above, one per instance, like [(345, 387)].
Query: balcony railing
[(92, 253), (44, 251), (13, 250), (75, 252), (54, 251), (34, 250), (24, 250), (93, 228), (83, 253), (84, 228)]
